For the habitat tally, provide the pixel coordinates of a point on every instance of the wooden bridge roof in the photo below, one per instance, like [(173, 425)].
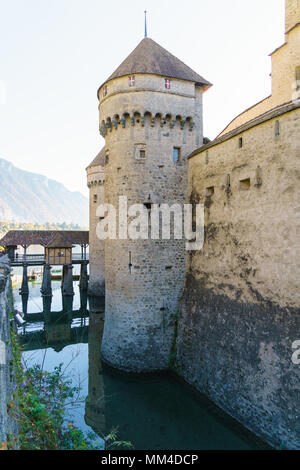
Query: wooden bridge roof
[(59, 241), (44, 237)]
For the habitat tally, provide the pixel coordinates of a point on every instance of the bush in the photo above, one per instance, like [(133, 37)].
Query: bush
[(38, 404)]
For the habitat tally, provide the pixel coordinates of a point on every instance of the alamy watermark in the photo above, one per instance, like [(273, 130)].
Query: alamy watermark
[(152, 221)]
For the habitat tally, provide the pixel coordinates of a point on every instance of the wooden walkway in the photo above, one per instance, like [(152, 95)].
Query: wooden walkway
[(40, 260)]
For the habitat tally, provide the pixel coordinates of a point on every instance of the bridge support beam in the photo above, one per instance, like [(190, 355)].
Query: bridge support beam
[(46, 289), (63, 276), (24, 303), (24, 287), (47, 300), (83, 282), (67, 287), (67, 304)]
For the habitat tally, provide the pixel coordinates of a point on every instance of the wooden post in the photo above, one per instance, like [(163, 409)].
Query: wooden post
[(68, 281), (83, 282), (47, 300), (46, 289), (24, 288), (24, 303)]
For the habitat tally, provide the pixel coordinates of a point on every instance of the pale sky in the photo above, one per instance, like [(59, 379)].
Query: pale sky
[(54, 54)]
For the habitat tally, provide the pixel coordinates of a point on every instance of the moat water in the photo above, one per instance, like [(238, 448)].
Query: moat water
[(152, 412)]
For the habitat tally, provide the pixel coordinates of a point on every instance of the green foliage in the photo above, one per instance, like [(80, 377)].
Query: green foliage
[(39, 402), (7, 226)]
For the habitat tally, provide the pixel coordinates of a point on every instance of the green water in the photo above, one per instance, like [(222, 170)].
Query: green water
[(156, 412)]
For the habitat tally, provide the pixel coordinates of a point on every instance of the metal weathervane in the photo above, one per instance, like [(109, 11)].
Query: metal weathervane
[(145, 23)]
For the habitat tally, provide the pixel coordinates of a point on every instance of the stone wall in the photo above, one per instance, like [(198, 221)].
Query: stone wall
[(285, 60), (6, 424), (95, 182), (240, 312)]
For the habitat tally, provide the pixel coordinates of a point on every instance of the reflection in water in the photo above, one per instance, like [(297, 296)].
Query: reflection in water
[(94, 405), (55, 329), (151, 412), (155, 412)]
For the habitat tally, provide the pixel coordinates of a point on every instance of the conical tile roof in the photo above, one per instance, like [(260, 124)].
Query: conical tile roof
[(150, 57), (99, 159)]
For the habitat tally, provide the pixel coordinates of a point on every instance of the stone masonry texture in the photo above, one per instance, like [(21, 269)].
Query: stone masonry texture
[(7, 425), (144, 278), (95, 182), (240, 310)]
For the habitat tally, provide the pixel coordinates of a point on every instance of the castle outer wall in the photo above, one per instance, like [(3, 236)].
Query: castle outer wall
[(240, 312)]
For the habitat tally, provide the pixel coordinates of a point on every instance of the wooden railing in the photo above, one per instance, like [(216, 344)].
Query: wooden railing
[(41, 258)]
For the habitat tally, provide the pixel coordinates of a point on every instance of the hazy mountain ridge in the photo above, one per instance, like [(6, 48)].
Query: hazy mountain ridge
[(30, 197)]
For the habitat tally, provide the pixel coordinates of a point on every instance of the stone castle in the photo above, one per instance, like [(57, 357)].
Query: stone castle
[(224, 317)]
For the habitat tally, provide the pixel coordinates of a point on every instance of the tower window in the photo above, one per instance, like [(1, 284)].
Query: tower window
[(176, 154), (95, 198), (240, 142), (298, 78), (167, 83), (277, 129), (105, 90), (210, 191), (106, 158), (142, 154), (132, 80)]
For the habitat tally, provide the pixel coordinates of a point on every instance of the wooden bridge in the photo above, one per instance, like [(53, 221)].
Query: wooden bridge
[(40, 259), (58, 250)]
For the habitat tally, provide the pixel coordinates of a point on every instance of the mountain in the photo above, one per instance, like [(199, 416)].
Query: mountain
[(30, 197)]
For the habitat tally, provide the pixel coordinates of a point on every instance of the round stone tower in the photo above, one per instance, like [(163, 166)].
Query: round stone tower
[(95, 182), (151, 118)]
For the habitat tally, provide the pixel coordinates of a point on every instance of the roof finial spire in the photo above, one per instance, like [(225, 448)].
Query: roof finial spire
[(145, 23)]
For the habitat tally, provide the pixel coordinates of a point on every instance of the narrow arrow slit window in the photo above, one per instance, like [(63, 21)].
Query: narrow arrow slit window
[(167, 83)]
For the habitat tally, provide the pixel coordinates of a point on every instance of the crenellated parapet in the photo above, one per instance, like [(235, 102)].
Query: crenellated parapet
[(95, 183), (147, 118)]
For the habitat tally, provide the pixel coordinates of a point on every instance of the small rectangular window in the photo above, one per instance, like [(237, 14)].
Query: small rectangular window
[(245, 184), (167, 83), (106, 158), (240, 142), (210, 191), (132, 80), (140, 152), (176, 154), (95, 197)]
